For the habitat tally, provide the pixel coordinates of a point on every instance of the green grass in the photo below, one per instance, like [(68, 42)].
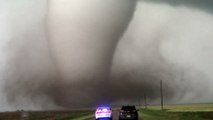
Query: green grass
[(82, 116), (178, 112), (47, 115)]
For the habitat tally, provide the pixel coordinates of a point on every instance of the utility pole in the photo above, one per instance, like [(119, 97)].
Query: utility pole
[(145, 104), (139, 102), (161, 92)]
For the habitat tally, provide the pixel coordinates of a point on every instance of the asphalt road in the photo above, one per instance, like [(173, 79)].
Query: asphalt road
[(115, 116)]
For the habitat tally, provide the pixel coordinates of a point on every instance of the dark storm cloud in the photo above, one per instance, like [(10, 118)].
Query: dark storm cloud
[(205, 5)]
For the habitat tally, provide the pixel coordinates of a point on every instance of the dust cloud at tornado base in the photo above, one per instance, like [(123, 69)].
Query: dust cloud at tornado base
[(162, 42)]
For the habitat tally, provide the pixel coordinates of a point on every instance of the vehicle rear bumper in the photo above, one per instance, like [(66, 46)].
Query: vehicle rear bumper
[(103, 116), (128, 118)]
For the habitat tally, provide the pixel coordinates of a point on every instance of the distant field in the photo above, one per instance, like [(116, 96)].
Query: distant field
[(46, 115), (179, 112)]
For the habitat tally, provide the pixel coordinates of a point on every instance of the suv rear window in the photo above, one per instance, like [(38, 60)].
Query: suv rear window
[(128, 108)]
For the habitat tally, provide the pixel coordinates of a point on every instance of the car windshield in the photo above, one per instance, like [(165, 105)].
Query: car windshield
[(128, 108)]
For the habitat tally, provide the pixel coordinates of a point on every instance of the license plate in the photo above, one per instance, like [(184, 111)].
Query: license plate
[(128, 116)]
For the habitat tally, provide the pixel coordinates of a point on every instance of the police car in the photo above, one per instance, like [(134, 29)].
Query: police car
[(103, 113)]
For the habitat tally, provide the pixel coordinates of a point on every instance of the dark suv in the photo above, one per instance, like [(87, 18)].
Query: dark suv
[(128, 113)]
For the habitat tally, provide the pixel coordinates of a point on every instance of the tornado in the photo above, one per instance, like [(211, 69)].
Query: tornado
[(82, 36), (58, 54)]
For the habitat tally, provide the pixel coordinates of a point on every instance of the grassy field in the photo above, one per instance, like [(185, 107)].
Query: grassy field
[(178, 112), (87, 117), (46, 115)]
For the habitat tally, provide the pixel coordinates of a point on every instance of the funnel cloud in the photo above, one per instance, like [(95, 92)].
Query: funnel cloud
[(58, 54)]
